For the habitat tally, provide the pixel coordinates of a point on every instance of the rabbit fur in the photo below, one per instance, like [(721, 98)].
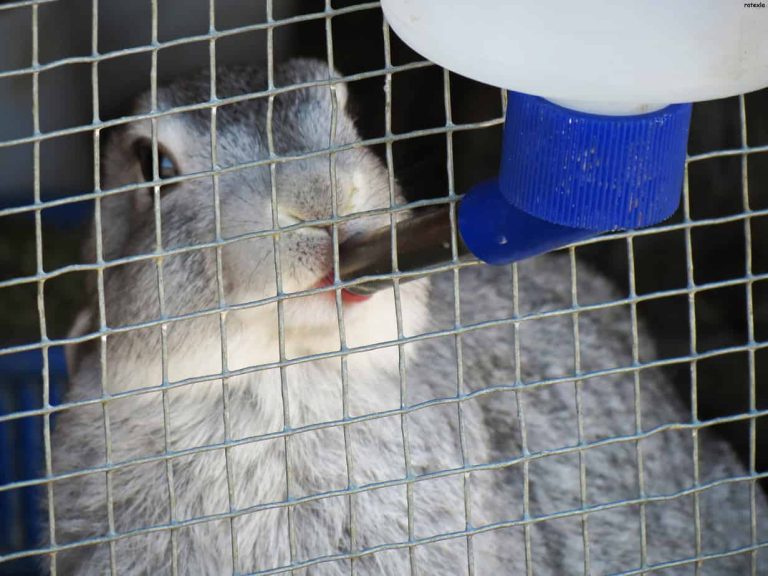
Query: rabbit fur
[(276, 443)]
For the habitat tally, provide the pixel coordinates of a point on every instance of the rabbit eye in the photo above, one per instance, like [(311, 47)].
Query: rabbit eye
[(166, 166)]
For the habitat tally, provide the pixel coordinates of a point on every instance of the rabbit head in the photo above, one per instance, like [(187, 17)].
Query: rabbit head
[(237, 233)]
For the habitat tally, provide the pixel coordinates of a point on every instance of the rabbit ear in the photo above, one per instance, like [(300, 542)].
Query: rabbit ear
[(342, 94)]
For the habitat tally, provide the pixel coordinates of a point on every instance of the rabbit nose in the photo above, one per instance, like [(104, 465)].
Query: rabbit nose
[(290, 220), (310, 227)]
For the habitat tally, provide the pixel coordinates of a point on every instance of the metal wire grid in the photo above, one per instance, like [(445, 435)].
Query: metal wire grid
[(41, 276)]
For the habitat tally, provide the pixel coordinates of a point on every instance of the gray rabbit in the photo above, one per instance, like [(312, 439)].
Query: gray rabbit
[(271, 432)]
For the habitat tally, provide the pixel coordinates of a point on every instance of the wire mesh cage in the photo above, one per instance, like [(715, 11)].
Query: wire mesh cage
[(532, 418)]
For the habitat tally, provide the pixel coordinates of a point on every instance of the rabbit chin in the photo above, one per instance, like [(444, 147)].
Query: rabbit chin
[(311, 325)]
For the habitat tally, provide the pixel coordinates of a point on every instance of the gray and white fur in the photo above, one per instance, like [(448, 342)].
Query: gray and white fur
[(238, 483)]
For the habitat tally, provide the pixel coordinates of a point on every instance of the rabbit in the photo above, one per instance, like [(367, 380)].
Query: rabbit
[(385, 471)]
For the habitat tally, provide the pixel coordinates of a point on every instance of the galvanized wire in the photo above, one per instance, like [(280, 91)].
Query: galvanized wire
[(519, 399), (46, 377), (348, 460), (637, 403), (225, 399), (398, 306), (460, 387), (279, 282), (578, 390), (753, 487), (25, 4), (405, 409), (99, 245)]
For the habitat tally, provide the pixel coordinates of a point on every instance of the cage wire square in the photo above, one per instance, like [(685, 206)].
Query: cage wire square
[(32, 364)]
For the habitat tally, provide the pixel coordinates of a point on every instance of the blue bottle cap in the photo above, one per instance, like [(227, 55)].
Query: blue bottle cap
[(590, 171)]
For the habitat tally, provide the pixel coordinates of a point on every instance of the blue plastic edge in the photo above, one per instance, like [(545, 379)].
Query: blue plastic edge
[(498, 233)]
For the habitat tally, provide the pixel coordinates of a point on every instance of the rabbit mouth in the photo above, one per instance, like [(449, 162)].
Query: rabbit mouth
[(346, 296)]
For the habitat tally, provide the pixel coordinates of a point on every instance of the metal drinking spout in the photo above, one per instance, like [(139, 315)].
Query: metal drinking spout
[(423, 242), (488, 229)]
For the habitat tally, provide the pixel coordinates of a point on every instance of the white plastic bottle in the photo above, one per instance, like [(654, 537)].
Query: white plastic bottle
[(598, 109), (598, 56)]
